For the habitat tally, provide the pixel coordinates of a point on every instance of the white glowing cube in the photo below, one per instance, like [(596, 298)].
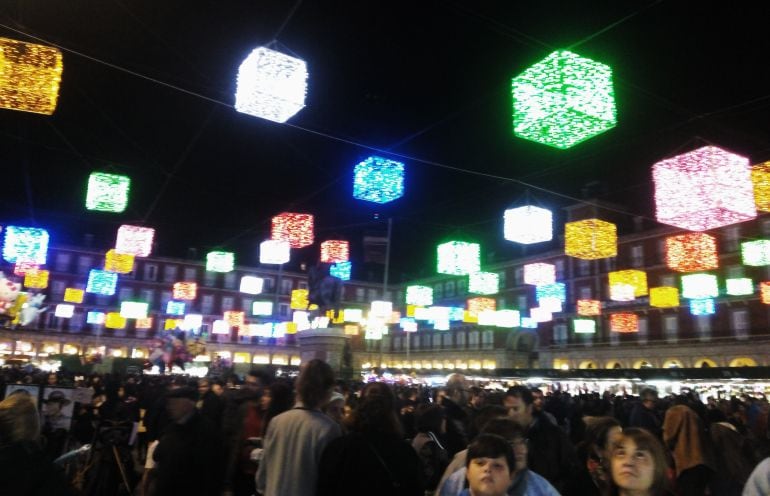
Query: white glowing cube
[(274, 252), (252, 284), (64, 311), (528, 225)]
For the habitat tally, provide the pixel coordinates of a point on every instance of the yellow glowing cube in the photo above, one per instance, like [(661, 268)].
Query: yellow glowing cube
[(635, 278), (470, 318), (171, 324), (36, 279), (29, 76), (589, 307), (145, 323), (291, 328), (590, 239), (114, 321), (760, 177), (664, 297), (299, 299), (122, 263), (478, 305), (72, 295), (351, 330)]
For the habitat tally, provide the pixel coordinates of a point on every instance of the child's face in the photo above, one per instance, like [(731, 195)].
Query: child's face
[(489, 476)]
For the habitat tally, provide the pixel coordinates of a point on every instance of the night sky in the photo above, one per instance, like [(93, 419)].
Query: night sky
[(427, 80)]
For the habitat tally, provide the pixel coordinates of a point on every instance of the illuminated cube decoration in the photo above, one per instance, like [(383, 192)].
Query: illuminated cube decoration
[(408, 324), (235, 318), (589, 308), (264, 308), (252, 284), (73, 295), (624, 322), (274, 252), (271, 85), (664, 297), (299, 299), (64, 311), (698, 286), (590, 239), (219, 326), (478, 305), (764, 292), (563, 99), (170, 324), (107, 192), (487, 318), (382, 309), (378, 180), (556, 290), (353, 330), (145, 323), (756, 253), (739, 286), (122, 263), (114, 320), (353, 315), (96, 318), (133, 309), (634, 278), (527, 225), (36, 279), (508, 319), (185, 290), (539, 274), (220, 261), (551, 304), (540, 315), (25, 244), (136, 240), (760, 178), (21, 268), (192, 322), (484, 283), (622, 292), (175, 307), (334, 251), (101, 282), (704, 189), (458, 258), (29, 76), (528, 323), (419, 295), (691, 252), (341, 270), (584, 326), (703, 306), (296, 229)]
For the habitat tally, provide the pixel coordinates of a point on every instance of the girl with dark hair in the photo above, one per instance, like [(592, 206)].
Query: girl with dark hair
[(593, 453), (637, 465)]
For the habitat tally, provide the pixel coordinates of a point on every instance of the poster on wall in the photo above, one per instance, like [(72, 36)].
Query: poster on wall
[(31, 390), (57, 408)]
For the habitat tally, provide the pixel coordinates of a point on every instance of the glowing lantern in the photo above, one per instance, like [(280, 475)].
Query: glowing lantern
[(590, 239), (528, 323), (262, 308), (96, 318), (458, 258), (556, 290), (107, 192), (378, 180), (421, 313), (563, 99), (353, 330), (468, 318), (539, 314), (353, 315), (756, 253), (764, 291), (341, 270), (703, 189), (691, 252), (25, 244), (299, 299), (760, 177), (584, 326), (487, 318), (175, 307), (114, 321), (508, 319), (36, 279), (192, 322), (171, 324), (185, 290), (136, 240), (703, 306), (624, 322), (145, 323), (539, 274), (133, 309), (252, 284), (73, 295), (274, 252), (271, 85), (698, 286), (382, 309), (485, 283), (296, 229), (551, 303), (527, 225), (101, 282), (589, 308), (21, 268), (419, 295), (235, 318), (740, 286), (64, 311), (407, 324), (220, 261), (637, 279), (477, 305), (29, 76), (664, 297), (334, 251), (122, 263), (220, 327)]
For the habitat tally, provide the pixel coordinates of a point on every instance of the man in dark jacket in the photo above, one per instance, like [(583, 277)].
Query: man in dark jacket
[(456, 419), (644, 415)]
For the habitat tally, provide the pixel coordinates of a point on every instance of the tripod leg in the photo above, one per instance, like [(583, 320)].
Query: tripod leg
[(121, 468)]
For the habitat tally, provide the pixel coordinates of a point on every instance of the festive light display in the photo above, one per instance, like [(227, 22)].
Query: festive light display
[(145, 323), (699, 286), (353, 315), (540, 315), (664, 297), (107, 192), (624, 322), (29, 76), (114, 320), (527, 225), (381, 309), (477, 305), (274, 252), (563, 99), (584, 326), (703, 189), (136, 240), (487, 318), (555, 290), (458, 258), (299, 299), (760, 178), (64, 311), (219, 326), (408, 324), (101, 282), (21, 268), (36, 279), (185, 290), (296, 229), (421, 313), (271, 85), (637, 279), (468, 318), (705, 306), (192, 322), (764, 292), (539, 274), (354, 330), (133, 309), (122, 263), (235, 318), (691, 252), (378, 180), (484, 283), (251, 284), (756, 253), (171, 324), (456, 314), (590, 239), (528, 323), (96, 318), (334, 251), (739, 286), (622, 292), (589, 308), (220, 261), (419, 295), (264, 308), (302, 319), (175, 307), (25, 244), (73, 295), (341, 270), (508, 319), (551, 303)]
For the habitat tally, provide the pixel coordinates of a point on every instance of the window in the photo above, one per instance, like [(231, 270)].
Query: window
[(488, 339), (438, 292), (518, 276), (360, 294), (668, 280), (449, 289), (585, 293), (415, 342), (169, 273), (560, 334), (522, 302), (148, 296), (662, 250), (473, 339), (584, 267), (765, 228), (460, 339), (267, 286), (436, 340), (671, 327), (462, 287), (57, 289), (426, 341), (302, 285), (85, 264), (165, 297), (246, 304), (500, 303), (703, 326), (283, 309), (63, 262), (228, 303), (210, 278), (150, 272), (739, 319), (734, 271), (609, 264), (643, 333), (502, 277), (388, 296), (207, 304), (230, 280), (637, 256), (125, 294), (614, 338), (397, 343), (372, 294), (732, 238), (446, 339), (286, 286), (76, 322), (559, 264), (190, 274)]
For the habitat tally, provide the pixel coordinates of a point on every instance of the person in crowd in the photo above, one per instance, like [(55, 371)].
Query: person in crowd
[(373, 457), (601, 433), (296, 438), (281, 399), (210, 404), (644, 414), (758, 483), (335, 408), (733, 455), (637, 465), (454, 399), (431, 426), (538, 403), (685, 437), (476, 401)]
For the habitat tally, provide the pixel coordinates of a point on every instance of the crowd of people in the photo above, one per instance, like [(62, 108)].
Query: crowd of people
[(315, 435)]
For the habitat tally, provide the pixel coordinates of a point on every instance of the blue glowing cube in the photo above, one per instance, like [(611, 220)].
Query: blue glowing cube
[(175, 308), (555, 290), (341, 270), (102, 282), (95, 318), (25, 244), (704, 306), (378, 180)]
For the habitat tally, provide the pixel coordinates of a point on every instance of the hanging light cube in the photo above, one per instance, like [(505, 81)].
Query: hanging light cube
[(354, 330), (484, 283), (192, 322), (133, 309), (704, 189), (73, 295), (539, 274), (760, 178), (29, 76), (25, 244), (487, 318), (528, 224), (136, 240), (563, 99), (274, 252), (101, 282), (64, 311), (408, 324), (341, 270), (185, 290), (122, 263), (295, 228), (624, 322), (703, 306), (220, 261), (691, 252), (175, 308), (664, 297), (171, 324), (739, 286), (552, 304), (96, 318), (353, 315), (107, 192), (458, 258), (422, 313), (637, 279), (114, 320), (477, 305), (584, 326), (299, 299), (590, 239), (382, 309), (36, 279), (528, 323), (378, 180), (419, 295), (622, 292), (540, 315), (764, 292), (698, 286), (145, 323), (556, 290), (219, 326), (21, 268), (264, 308), (589, 308), (756, 253), (271, 85), (508, 319), (334, 251), (235, 318), (252, 284)]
